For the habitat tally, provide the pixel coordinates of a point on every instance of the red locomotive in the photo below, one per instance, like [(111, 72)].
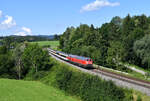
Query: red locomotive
[(84, 61)]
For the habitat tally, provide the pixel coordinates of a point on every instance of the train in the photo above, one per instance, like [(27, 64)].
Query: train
[(75, 59)]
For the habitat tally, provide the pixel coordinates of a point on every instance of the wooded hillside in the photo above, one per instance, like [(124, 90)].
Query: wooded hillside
[(121, 40)]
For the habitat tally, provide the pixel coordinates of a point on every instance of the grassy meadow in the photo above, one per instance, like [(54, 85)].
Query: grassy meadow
[(18, 90), (52, 44)]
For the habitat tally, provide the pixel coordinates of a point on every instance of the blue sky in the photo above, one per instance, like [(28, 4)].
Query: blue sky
[(47, 17)]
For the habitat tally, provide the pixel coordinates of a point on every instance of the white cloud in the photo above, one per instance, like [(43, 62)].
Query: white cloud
[(28, 30), (0, 13), (20, 34), (97, 5), (24, 32), (9, 25), (8, 22)]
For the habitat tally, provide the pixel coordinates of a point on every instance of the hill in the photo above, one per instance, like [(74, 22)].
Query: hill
[(47, 36), (17, 90)]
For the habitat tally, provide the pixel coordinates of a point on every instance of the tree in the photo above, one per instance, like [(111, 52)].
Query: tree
[(65, 39), (142, 48), (17, 53), (117, 21), (56, 37), (35, 58), (3, 50), (6, 63), (128, 25), (143, 22), (8, 42), (115, 54)]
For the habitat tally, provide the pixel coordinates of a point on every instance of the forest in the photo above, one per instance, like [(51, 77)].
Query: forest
[(121, 40)]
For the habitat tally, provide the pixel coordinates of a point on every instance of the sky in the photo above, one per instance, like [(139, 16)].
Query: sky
[(48, 17)]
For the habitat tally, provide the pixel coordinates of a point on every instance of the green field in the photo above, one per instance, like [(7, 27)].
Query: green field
[(18, 90), (53, 44)]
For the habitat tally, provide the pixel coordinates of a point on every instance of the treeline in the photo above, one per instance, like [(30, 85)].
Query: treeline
[(121, 40), (13, 40), (26, 38)]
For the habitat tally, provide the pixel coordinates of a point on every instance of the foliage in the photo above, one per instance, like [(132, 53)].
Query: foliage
[(142, 48), (20, 39), (139, 98), (114, 54), (113, 42), (6, 63), (17, 55), (56, 37), (35, 59), (16, 63), (72, 83)]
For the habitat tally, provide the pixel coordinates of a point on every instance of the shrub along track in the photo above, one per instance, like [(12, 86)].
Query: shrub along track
[(118, 79)]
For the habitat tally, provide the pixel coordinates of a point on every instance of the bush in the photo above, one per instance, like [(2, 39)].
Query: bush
[(147, 75), (129, 95), (88, 87), (40, 74), (139, 98)]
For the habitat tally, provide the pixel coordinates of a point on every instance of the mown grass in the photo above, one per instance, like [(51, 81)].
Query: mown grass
[(18, 90), (52, 44)]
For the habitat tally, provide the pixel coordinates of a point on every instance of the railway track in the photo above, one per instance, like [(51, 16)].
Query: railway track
[(124, 78), (118, 79)]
